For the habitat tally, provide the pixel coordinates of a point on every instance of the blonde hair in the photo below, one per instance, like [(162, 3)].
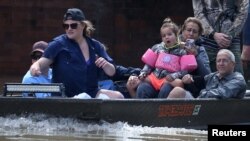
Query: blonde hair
[(194, 20), (89, 28), (167, 23)]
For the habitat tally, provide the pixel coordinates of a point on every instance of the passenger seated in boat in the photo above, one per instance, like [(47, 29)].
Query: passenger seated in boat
[(165, 73), (191, 29), (36, 53), (223, 84), (119, 80), (76, 59)]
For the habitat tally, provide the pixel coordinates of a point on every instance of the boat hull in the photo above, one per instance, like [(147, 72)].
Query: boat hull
[(197, 114)]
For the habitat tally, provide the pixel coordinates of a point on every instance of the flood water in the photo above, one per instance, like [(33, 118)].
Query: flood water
[(45, 128)]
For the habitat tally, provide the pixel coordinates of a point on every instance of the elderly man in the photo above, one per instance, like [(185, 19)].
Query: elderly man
[(223, 84)]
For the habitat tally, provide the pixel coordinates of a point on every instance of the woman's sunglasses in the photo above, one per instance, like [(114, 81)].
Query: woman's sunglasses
[(72, 26), (36, 56)]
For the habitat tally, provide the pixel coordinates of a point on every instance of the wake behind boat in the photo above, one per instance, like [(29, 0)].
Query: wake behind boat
[(196, 114)]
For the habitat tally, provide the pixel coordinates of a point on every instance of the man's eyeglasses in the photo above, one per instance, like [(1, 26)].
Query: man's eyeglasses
[(72, 26)]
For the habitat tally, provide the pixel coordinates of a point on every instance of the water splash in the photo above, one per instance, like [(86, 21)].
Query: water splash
[(44, 127)]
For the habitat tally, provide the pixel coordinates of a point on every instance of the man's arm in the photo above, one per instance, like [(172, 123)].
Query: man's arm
[(41, 66), (199, 13)]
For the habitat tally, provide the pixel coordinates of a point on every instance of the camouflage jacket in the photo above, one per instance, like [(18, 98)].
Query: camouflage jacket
[(223, 16)]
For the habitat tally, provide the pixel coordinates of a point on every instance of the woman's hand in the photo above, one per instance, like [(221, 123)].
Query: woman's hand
[(192, 50), (142, 75), (191, 47), (108, 68), (101, 62), (35, 69)]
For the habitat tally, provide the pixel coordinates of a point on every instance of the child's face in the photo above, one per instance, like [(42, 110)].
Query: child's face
[(168, 37)]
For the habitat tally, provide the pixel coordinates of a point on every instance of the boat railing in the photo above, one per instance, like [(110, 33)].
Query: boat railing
[(17, 89)]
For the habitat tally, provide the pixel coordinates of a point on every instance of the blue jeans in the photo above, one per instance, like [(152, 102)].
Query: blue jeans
[(146, 90)]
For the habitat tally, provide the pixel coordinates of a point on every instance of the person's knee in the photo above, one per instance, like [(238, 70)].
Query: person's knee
[(144, 90), (111, 94), (119, 95), (177, 92), (177, 83)]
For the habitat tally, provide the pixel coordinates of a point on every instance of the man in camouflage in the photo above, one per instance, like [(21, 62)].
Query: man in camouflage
[(223, 21)]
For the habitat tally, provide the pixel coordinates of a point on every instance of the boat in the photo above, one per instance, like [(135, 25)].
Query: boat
[(179, 113)]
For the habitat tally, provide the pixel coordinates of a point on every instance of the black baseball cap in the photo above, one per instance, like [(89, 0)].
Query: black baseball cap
[(74, 14)]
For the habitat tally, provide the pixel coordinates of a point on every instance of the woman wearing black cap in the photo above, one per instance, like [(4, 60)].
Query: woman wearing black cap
[(77, 59)]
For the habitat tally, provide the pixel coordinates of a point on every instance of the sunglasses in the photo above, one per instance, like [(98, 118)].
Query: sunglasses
[(72, 26), (36, 56)]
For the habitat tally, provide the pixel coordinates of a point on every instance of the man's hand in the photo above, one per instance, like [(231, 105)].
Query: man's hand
[(187, 79), (133, 82), (223, 40)]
